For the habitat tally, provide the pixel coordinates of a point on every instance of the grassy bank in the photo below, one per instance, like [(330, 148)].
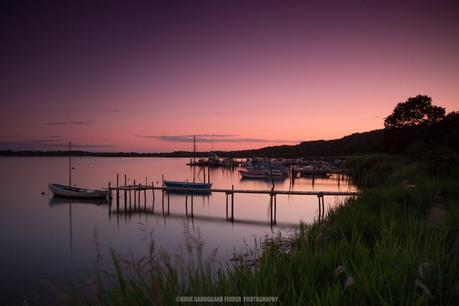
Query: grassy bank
[(397, 244)]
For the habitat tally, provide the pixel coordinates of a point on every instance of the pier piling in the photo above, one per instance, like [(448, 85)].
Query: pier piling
[(232, 203)]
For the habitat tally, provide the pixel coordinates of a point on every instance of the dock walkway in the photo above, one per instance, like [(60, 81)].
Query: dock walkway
[(191, 192)]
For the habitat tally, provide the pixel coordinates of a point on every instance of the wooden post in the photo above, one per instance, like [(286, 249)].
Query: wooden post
[(135, 194), (139, 194), (168, 203), (186, 203), (323, 207), (70, 163), (192, 209), (125, 191), (153, 196), (117, 201), (130, 197), (232, 203), (226, 194), (117, 190), (145, 191), (125, 197), (192, 198), (275, 208), (271, 208), (320, 197), (320, 208), (162, 199)]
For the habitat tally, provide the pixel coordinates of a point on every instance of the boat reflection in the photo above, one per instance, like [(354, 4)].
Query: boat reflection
[(61, 201), (56, 201)]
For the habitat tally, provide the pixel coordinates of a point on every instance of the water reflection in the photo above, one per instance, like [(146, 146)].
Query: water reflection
[(60, 232), (192, 218), (60, 201), (69, 201)]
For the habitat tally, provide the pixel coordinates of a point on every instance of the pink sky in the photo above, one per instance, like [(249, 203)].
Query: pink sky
[(265, 75)]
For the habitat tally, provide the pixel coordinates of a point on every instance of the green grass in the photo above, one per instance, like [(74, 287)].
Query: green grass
[(379, 249)]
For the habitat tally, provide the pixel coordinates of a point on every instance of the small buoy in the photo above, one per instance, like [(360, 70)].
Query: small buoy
[(43, 192)]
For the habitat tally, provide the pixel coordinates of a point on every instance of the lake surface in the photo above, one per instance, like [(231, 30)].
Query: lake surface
[(46, 238)]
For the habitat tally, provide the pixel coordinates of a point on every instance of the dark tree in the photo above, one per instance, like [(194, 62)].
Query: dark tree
[(415, 111)]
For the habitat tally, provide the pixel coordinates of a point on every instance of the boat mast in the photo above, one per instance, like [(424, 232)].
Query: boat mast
[(70, 163)]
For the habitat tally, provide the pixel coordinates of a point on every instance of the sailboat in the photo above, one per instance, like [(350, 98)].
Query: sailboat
[(194, 186), (69, 191)]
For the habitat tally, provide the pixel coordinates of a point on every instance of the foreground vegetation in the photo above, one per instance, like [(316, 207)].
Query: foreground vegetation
[(397, 244)]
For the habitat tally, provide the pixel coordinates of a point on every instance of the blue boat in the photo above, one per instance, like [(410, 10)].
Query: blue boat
[(195, 187)]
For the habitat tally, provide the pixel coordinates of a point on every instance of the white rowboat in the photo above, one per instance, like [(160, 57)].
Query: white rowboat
[(76, 192)]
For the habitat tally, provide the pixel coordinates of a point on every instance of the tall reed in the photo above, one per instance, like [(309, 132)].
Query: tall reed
[(379, 249)]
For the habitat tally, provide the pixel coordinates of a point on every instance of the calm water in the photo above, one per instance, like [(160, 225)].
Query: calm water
[(42, 237)]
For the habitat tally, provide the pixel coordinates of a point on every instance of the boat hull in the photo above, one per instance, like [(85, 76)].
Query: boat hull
[(261, 174), (77, 193), (194, 187)]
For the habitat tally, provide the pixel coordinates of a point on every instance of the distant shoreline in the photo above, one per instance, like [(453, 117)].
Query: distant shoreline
[(307, 149), (184, 154), (5, 153)]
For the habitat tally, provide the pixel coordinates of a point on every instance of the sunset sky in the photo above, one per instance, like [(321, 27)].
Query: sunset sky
[(143, 76)]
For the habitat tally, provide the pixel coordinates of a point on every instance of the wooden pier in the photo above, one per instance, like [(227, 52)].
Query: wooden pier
[(138, 190)]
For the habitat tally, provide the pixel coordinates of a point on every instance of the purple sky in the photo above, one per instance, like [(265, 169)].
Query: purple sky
[(140, 76)]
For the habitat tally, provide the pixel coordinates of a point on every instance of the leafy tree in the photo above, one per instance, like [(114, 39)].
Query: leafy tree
[(414, 111)]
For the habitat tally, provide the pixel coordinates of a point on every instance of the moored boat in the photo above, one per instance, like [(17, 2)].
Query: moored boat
[(194, 187), (177, 184), (77, 192), (69, 191), (213, 161), (262, 174)]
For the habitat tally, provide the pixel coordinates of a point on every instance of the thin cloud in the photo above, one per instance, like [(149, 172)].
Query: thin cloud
[(69, 123), (48, 144), (228, 138), (124, 111), (95, 146), (45, 141)]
